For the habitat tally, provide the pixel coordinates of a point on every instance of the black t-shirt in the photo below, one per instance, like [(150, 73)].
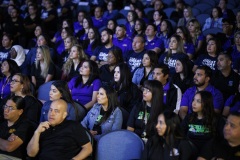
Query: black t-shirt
[(156, 149), (63, 141), (198, 133), (220, 149), (37, 73), (21, 128), (137, 120), (227, 85), (106, 75)]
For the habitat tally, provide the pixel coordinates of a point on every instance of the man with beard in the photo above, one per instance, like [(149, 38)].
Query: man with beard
[(201, 82), (100, 53)]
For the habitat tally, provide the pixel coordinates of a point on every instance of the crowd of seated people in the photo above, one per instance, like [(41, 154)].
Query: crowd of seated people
[(170, 78)]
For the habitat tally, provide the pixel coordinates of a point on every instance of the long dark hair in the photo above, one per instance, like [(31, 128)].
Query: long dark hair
[(62, 87), (125, 77), (112, 101), (186, 67), (156, 103), (94, 74), (209, 116), (13, 67), (153, 58), (96, 41), (186, 34), (173, 130)]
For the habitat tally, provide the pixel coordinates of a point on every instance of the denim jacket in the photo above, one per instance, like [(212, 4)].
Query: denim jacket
[(138, 75), (114, 122)]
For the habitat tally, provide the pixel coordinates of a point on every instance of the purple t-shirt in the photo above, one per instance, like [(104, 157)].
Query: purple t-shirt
[(235, 107), (156, 42), (125, 45), (189, 48), (190, 92), (77, 27), (98, 23), (83, 94)]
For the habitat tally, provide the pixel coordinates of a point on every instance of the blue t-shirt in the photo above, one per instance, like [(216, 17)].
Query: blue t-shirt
[(207, 60), (171, 62), (134, 59), (101, 52)]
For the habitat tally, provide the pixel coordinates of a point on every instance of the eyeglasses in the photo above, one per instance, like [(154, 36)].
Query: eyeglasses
[(14, 81), (9, 108), (145, 90)]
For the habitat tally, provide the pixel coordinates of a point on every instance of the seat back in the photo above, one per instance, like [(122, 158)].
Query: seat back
[(119, 145), (212, 31), (43, 91), (81, 111)]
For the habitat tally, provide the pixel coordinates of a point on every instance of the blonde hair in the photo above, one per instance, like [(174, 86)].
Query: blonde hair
[(68, 64), (180, 46), (197, 28), (73, 40), (45, 51)]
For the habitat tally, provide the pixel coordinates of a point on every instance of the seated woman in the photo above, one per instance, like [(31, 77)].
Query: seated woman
[(107, 71), (65, 32), (144, 115), (194, 28), (43, 70), (166, 31), (144, 72), (59, 90), (175, 51), (84, 88), (92, 41), (128, 92), (215, 20), (17, 53), (209, 59), (68, 43), (42, 39), (168, 141), (183, 77), (71, 66), (15, 130), (21, 86), (105, 116), (202, 125), (187, 41), (8, 69)]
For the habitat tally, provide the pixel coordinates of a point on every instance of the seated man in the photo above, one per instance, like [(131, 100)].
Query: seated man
[(58, 138), (172, 93), (15, 130), (201, 81), (229, 147)]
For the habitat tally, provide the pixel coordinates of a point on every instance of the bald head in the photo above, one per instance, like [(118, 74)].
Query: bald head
[(57, 112)]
